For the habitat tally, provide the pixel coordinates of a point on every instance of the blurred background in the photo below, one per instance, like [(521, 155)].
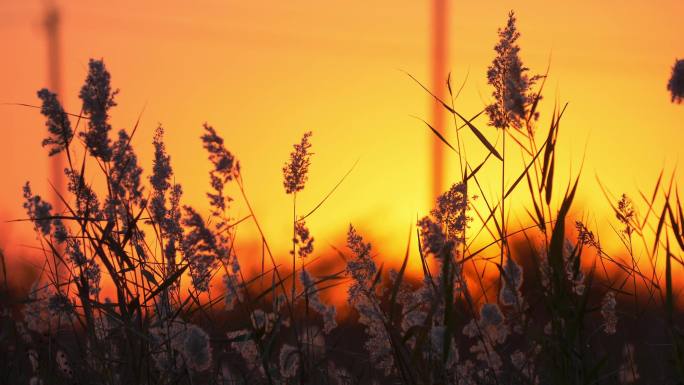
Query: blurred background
[(263, 73)]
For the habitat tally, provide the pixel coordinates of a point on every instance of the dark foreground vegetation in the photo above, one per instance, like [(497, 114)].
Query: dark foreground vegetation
[(555, 308)]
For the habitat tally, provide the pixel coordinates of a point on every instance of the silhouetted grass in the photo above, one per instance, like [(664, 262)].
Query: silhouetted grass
[(555, 307)]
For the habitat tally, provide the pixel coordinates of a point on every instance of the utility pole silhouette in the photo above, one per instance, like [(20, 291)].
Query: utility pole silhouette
[(439, 22), (51, 23)]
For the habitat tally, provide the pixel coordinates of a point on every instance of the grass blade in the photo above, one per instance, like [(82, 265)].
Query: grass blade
[(434, 131)]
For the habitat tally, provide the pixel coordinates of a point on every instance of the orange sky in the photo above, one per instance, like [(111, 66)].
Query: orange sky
[(262, 73)]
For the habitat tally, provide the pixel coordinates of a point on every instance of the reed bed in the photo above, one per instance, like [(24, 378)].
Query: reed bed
[(558, 310)]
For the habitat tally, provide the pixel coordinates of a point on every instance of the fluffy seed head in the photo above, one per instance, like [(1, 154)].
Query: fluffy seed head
[(586, 236), (511, 281), (289, 361), (57, 122), (98, 98), (303, 239), (328, 312), (87, 203), (295, 172), (610, 319), (451, 211), (125, 173), (233, 291), (242, 341), (361, 267), (200, 249), (224, 162), (432, 237), (38, 211), (676, 83), (196, 348), (226, 167), (625, 214), (508, 76), (490, 314)]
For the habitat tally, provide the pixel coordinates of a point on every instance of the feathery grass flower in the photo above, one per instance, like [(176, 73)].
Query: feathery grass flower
[(432, 237), (226, 167), (38, 211), (314, 339), (161, 169), (437, 346), (172, 226), (485, 353), (676, 83), (200, 249), (57, 122), (625, 214), (289, 361), (608, 305), (508, 76), (378, 344), (33, 359), (491, 324), (125, 188), (491, 330), (160, 178), (303, 239), (45, 309), (490, 314), (167, 218), (88, 269), (59, 303), (125, 172), (262, 321), (233, 291), (224, 162), (177, 343), (166, 337), (295, 172), (86, 199), (586, 237), (311, 294), (573, 269), (545, 272), (413, 302), (451, 211), (35, 311), (362, 267), (92, 273), (524, 363), (512, 279), (98, 98), (341, 376), (196, 349), (242, 341)]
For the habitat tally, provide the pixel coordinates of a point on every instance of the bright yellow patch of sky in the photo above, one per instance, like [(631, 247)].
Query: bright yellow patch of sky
[(262, 73)]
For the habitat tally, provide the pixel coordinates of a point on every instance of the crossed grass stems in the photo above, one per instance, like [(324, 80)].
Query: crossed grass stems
[(149, 294)]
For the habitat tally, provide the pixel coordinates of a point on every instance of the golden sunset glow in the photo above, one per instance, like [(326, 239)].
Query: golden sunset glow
[(262, 73), (307, 192)]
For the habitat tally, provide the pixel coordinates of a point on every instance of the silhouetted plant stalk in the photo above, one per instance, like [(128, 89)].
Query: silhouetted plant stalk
[(676, 83), (512, 102), (551, 320)]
